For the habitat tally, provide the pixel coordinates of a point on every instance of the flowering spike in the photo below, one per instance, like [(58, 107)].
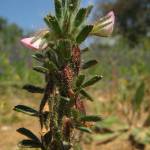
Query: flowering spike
[(104, 27), (62, 109)]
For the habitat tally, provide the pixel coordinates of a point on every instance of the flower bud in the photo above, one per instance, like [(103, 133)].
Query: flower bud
[(104, 27)]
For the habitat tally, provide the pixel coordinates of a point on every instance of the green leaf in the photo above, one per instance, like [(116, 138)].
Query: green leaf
[(73, 4), (50, 66), (58, 8), (84, 33), (92, 81), (53, 24), (33, 89), (89, 64), (65, 99), (65, 47), (39, 57), (89, 9), (84, 129), (105, 138), (47, 137), (80, 17), (28, 134), (29, 144), (85, 94), (85, 50), (109, 122), (138, 97), (80, 80), (40, 69), (63, 3), (52, 55), (26, 110), (92, 118)]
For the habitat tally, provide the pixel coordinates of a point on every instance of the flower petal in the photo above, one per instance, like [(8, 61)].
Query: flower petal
[(33, 43), (104, 27)]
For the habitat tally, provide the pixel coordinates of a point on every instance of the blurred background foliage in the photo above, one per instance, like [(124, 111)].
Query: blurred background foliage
[(123, 59)]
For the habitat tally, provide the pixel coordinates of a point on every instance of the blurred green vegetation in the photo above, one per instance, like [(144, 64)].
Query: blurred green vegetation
[(15, 60)]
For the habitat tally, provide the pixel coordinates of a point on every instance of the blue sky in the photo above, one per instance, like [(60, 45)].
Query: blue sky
[(28, 14)]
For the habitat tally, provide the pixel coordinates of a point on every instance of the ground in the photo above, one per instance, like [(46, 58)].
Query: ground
[(10, 121)]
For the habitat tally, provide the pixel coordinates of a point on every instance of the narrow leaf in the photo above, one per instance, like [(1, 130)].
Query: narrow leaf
[(89, 9), (29, 144), (92, 81), (85, 50), (89, 64), (84, 129), (85, 94), (40, 69), (26, 110), (39, 57), (80, 80), (53, 24), (51, 66), (47, 137), (33, 89), (91, 118), (28, 134), (64, 47), (52, 55), (58, 8), (84, 33), (80, 17), (138, 97), (65, 99), (73, 4), (105, 138)]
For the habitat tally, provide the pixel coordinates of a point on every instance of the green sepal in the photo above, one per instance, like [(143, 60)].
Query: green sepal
[(28, 134), (89, 64), (40, 69), (84, 33), (58, 8), (33, 89), (80, 17), (84, 129), (80, 80), (26, 110), (29, 144), (92, 81), (91, 118), (53, 24), (85, 94)]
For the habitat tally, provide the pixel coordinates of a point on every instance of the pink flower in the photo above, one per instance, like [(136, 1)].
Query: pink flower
[(34, 43), (104, 27)]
